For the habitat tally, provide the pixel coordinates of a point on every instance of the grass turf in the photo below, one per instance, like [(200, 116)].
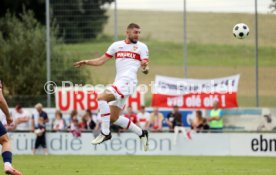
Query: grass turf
[(144, 165)]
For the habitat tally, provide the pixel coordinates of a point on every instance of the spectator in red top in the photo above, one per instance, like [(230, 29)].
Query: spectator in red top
[(131, 115)]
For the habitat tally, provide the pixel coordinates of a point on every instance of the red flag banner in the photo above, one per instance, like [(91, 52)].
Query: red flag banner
[(195, 93)]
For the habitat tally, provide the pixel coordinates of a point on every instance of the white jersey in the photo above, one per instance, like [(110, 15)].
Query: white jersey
[(3, 118), (24, 125), (128, 58), (143, 118)]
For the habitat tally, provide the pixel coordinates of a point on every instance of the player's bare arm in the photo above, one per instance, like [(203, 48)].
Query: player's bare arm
[(213, 118), (4, 106), (93, 62), (145, 67)]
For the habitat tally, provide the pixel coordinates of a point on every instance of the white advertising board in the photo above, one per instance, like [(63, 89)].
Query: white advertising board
[(160, 144)]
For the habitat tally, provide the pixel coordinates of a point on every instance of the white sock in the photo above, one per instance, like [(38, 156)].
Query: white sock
[(126, 123), (105, 115), (7, 164)]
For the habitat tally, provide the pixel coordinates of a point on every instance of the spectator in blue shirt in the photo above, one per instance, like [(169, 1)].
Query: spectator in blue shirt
[(39, 113)]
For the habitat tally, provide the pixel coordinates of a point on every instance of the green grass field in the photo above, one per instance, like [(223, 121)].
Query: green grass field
[(212, 50), (144, 165)]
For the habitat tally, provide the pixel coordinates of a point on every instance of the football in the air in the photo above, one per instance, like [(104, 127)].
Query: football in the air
[(241, 31)]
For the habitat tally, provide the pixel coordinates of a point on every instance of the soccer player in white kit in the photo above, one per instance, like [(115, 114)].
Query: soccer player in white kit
[(4, 138), (130, 55)]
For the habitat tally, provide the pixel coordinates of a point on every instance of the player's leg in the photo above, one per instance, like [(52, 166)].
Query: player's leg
[(36, 146), (186, 133), (176, 132), (6, 152), (44, 146), (122, 121), (103, 100), (126, 123)]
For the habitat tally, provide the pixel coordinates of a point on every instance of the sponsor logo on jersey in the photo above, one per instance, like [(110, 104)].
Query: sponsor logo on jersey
[(128, 54)]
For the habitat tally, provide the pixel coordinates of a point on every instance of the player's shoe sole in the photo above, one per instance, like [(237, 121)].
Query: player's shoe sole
[(101, 138), (145, 139)]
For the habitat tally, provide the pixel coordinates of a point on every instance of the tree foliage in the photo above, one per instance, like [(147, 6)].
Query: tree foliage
[(273, 6), (22, 54), (77, 20), (17, 7), (23, 57)]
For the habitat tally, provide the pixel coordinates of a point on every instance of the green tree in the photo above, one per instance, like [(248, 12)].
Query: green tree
[(273, 6), (23, 59), (16, 7), (77, 20)]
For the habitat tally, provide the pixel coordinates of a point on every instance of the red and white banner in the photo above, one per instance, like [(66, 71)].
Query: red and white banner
[(73, 98), (195, 93)]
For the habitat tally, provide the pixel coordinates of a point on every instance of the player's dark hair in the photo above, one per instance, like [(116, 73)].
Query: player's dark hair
[(58, 112), (133, 25), (89, 112), (199, 113)]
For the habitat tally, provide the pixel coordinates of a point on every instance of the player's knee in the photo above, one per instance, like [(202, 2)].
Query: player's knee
[(114, 118), (106, 96), (101, 98), (4, 139)]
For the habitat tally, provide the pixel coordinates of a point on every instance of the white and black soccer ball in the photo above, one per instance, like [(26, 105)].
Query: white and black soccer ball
[(240, 31)]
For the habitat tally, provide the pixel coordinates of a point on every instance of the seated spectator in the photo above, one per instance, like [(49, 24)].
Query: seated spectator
[(174, 118), (73, 116), (143, 118), (199, 124), (87, 122), (59, 122), (156, 119), (22, 119), (83, 123), (131, 115), (267, 124), (74, 128)]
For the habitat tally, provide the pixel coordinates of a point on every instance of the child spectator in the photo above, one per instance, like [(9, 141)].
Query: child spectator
[(59, 122), (74, 128), (40, 131)]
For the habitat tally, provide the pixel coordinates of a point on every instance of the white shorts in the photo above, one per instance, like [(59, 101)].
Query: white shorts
[(121, 90)]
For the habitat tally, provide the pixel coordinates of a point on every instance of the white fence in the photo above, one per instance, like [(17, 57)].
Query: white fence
[(160, 144)]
